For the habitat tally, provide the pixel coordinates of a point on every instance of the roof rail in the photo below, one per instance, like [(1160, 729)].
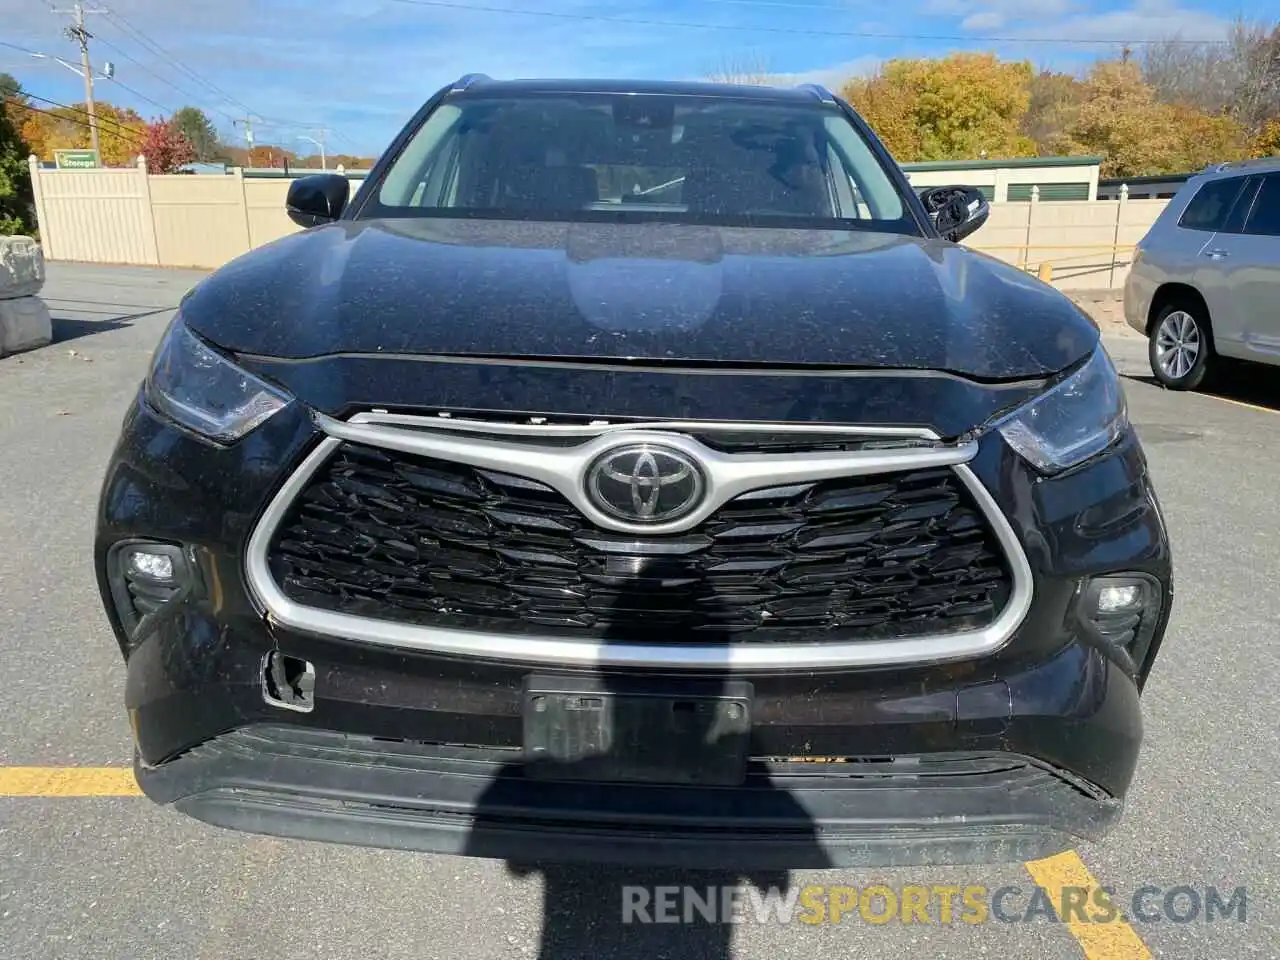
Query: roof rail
[(468, 79), (819, 91), (1245, 164)]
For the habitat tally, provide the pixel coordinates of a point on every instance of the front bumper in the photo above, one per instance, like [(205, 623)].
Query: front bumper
[(320, 785), (1056, 710)]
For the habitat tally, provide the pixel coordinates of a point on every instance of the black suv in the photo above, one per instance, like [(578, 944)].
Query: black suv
[(635, 472)]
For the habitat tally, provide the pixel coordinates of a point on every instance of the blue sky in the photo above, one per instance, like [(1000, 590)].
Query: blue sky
[(361, 67)]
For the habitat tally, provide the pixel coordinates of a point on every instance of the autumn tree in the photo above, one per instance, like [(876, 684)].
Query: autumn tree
[(165, 147), (120, 132), (1205, 138), (1052, 112), (961, 106), (1266, 143), (194, 124), (1121, 119), (270, 155), (15, 175), (350, 161), (1239, 78), (890, 110)]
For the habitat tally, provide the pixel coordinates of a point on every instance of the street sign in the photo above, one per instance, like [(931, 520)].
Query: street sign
[(75, 159)]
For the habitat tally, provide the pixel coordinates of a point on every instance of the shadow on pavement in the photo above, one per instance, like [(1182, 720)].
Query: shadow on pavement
[(73, 328), (583, 904), (1253, 383)]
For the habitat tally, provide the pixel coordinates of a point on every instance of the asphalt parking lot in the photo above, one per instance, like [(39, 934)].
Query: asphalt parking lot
[(87, 874)]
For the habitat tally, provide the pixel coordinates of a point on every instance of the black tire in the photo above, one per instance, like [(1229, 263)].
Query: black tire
[(1180, 345)]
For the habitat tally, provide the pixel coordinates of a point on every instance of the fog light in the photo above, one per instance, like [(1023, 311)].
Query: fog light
[(145, 576), (1123, 610), (152, 566), (1117, 598)]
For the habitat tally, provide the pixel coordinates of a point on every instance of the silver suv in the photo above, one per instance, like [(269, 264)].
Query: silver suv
[(1205, 281)]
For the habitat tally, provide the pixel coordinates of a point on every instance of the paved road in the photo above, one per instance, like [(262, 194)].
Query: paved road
[(119, 878)]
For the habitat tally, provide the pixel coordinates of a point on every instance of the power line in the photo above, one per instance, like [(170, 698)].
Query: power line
[(130, 137), (789, 31), (141, 96), (186, 94), (160, 51), (153, 47), (14, 46), (129, 132)]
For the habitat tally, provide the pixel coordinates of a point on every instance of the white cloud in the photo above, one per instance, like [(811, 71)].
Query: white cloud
[(1145, 20), (1081, 20), (983, 20), (837, 74)]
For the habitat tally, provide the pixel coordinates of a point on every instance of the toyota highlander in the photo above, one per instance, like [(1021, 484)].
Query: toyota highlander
[(635, 472)]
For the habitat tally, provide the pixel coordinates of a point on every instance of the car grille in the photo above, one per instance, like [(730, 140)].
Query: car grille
[(395, 536)]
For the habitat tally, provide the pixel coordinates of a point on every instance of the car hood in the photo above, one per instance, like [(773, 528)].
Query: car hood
[(637, 293)]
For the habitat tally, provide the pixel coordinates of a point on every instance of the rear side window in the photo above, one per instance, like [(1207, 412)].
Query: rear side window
[(1264, 219), (1210, 207)]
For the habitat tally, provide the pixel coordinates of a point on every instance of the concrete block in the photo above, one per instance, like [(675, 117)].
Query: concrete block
[(24, 325), (21, 267)]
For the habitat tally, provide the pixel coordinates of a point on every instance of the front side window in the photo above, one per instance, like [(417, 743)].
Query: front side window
[(1210, 207), (678, 158)]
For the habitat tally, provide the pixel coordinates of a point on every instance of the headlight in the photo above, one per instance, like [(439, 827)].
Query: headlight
[(204, 391), (1081, 416)]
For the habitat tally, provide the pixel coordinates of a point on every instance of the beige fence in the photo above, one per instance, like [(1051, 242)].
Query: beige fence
[(1088, 243), (130, 216)]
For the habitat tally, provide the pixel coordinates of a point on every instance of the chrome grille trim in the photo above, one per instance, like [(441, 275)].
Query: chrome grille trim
[(561, 468)]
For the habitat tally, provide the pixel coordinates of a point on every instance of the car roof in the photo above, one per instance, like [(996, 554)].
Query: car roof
[(481, 85), (1242, 167)]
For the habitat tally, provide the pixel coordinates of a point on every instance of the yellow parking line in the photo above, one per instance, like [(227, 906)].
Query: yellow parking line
[(1243, 403), (68, 782), (1115, 940), (1099, 941)]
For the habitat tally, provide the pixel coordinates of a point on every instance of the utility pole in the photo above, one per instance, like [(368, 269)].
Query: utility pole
[(82, 36), (247, 123)]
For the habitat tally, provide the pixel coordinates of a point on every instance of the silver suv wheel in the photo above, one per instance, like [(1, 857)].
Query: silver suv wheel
[(1177, 344), (1181, 345)]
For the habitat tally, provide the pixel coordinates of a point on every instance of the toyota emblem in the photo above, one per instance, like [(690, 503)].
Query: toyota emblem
[(645, 483)]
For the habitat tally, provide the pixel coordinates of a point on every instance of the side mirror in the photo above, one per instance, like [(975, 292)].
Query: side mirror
[(317, 199), (956, 211)]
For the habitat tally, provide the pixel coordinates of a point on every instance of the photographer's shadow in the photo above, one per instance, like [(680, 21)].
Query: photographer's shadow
[(698, 729)]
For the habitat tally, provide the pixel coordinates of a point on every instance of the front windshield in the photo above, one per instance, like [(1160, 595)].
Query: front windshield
[(676, 158)]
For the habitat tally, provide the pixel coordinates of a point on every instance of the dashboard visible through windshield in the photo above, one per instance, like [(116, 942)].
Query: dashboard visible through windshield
[(678, 158)]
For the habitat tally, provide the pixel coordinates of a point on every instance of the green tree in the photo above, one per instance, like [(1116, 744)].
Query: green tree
[(15, 175), (194, 124)]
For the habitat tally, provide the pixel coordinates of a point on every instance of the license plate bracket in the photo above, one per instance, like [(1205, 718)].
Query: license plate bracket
[(589, 728)]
